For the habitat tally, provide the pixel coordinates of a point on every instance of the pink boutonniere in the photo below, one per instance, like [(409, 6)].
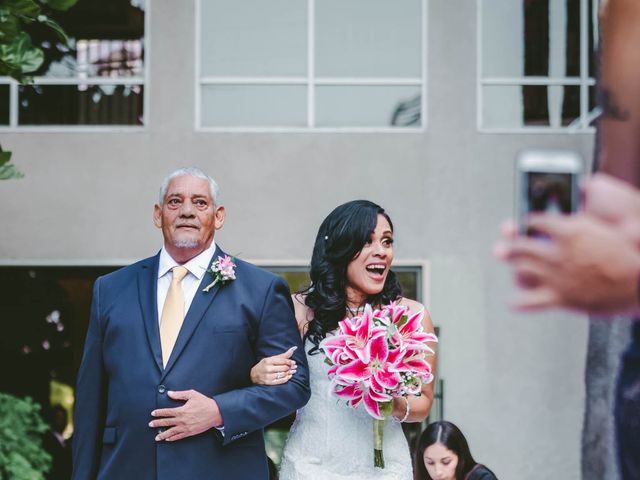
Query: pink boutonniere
[(223, 270)]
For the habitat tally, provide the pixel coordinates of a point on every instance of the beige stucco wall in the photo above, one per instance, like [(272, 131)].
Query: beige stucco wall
[(514, 383)]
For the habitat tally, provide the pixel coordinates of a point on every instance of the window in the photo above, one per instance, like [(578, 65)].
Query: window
[(536, 65), (300, 65), (98, 80)]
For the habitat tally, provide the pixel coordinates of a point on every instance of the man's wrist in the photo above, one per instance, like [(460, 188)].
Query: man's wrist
[(218, 421)]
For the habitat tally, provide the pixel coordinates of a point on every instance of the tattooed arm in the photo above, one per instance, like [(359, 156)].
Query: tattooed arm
[(620, 89)]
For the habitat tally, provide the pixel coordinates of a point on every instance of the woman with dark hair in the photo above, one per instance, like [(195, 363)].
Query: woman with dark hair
[(350, 268), (443, 454)]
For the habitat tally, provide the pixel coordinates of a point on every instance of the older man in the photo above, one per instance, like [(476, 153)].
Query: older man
[(163, 390)]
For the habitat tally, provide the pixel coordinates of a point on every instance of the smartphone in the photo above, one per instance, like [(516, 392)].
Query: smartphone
[(547, 181)]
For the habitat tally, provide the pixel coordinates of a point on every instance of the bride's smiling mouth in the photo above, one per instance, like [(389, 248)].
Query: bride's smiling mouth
[(376, 271)]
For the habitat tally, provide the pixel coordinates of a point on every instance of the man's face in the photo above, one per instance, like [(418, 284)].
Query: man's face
[(188, 217)]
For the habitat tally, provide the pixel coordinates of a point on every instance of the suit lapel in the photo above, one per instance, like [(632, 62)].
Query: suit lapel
[(201, 301), (148, 297)]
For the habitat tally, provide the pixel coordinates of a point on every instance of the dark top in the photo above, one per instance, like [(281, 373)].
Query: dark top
[(480, 472), (634, 349)]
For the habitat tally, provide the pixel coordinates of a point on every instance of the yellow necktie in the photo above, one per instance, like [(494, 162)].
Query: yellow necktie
[(172, 313)]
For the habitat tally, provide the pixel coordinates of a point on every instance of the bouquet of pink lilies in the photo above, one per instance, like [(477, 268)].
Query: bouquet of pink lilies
[(376, 356)]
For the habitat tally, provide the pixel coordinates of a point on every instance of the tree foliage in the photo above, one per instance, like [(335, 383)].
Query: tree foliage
[(18, 56), (22, 456)]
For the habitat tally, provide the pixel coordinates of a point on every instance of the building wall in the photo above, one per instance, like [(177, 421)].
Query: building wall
[(513, 382)]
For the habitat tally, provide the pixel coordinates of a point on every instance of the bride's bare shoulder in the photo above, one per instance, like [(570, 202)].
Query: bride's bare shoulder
[(414, 306), (303, 313)]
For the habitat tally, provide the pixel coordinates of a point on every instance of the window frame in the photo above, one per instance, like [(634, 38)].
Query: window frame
[(583, 81), (310, 81), (15, 127)]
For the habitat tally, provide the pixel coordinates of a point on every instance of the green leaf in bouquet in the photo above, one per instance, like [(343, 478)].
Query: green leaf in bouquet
[(402, 320), (386, 408)]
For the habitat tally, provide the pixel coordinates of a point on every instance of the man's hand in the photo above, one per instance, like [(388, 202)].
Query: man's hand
[(587, 265), (197, 415)]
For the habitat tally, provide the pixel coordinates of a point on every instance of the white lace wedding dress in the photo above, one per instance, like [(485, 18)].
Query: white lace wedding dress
[(332, 441)]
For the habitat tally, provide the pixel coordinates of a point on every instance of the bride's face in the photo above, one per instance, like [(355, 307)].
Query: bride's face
[(368, 270), (440, 462)]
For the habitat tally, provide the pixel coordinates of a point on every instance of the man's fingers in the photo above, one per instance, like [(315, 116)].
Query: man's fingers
[(536, 299), (166, 412), (169, 433), (164, 422), (178, 436), (181, 395)]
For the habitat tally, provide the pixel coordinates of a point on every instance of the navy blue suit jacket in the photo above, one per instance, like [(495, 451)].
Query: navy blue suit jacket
[(121, 380)]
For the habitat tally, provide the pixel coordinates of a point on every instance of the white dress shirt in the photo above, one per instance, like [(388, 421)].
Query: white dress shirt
[(197, 267)]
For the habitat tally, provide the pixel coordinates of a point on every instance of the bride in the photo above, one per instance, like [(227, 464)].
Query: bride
[(350, 267)]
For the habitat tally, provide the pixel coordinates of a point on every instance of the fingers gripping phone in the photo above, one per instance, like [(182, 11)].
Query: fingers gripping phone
[(547, 181)]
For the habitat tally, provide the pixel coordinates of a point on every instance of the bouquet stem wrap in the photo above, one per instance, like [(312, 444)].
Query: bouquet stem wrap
[(378, 434)]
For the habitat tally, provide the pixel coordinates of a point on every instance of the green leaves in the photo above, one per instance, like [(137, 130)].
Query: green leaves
[(21, 454), (9, 25), (386, 408), (20, 56), (7, 170), (55, 26), (60, 4), (25, 8)]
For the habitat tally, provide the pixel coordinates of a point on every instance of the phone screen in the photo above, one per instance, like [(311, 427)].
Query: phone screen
[(548, 193)]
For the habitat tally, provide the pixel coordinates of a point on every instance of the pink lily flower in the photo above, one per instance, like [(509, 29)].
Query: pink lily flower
[(375, 356), (377, 369)]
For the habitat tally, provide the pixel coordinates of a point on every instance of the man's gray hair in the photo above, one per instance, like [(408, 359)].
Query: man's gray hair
[(214, 190)]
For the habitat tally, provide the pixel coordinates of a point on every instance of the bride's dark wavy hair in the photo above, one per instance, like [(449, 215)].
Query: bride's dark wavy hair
[(340, 239)]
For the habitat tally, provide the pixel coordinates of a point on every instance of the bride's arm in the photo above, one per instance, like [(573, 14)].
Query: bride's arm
[(419, 406), (279, 369)]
